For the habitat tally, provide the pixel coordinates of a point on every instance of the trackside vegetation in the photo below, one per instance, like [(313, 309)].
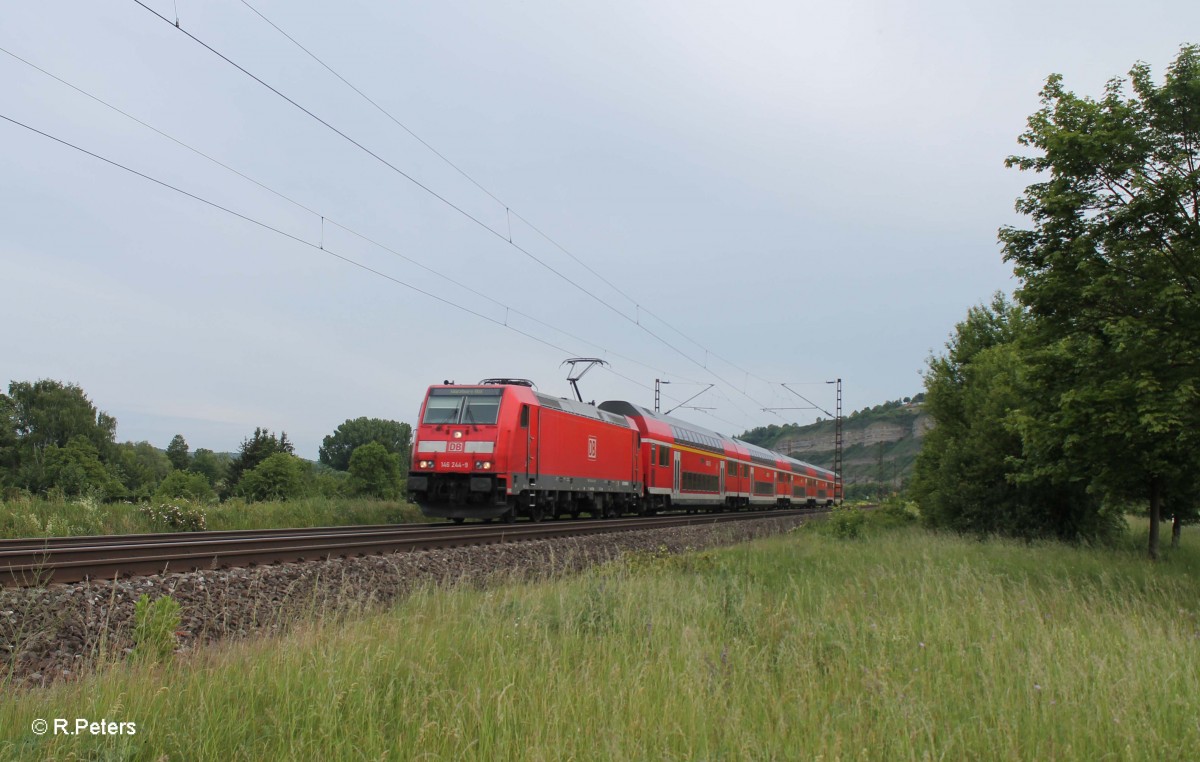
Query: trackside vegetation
[(40, 517), (861, 642), (62, 472)]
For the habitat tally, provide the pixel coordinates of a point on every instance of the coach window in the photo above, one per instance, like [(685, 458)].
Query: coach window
[(664, 456)]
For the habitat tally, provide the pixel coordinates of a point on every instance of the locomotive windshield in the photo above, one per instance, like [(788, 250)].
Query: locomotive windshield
[(480, 406)]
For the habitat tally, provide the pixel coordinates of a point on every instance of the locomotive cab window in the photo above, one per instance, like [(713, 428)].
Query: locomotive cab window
[(478, 406), (441, 410), (524, 416)]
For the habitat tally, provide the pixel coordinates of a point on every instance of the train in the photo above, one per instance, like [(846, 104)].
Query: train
[(500, 449)]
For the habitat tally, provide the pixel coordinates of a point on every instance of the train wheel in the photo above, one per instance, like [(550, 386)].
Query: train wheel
[(537, 514), (509, 516), (458, 520)]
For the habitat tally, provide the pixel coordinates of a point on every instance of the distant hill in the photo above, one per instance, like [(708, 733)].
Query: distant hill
[(879, 444)]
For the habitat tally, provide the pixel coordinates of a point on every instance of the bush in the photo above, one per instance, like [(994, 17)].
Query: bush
[(325, 482), (184, 485), (847, 524), (280, 477), (179, 516), (894, 513), (374, 471)]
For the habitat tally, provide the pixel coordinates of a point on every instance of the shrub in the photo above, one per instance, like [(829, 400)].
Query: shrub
[(280, 477), (186, 486), (847, 524), (374, 471), (325, 482), (894, 513), (178, 516)]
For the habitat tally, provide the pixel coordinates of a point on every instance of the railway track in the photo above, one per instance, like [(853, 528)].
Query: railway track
[(29, 562)]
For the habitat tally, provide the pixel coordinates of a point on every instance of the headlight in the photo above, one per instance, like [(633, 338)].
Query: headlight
[(483, 465)]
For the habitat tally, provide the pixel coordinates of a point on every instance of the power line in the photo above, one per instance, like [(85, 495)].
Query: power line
[(379, 158), (368, 99), (324, 218), (453, 206), (508, 210), (297, 239), (281, 232)]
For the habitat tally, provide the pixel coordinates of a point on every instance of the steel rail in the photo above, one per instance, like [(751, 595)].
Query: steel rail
[(42, 543), (180, 552)]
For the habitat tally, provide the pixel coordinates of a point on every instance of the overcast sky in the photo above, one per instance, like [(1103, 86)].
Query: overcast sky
[(773, 191)]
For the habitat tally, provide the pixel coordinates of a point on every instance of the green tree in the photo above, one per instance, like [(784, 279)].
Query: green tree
[(49, 413), (374, 471), (213, 466), (76, 470), (10, 456), (395, 437), (966, 477), (253, 451), (185, 485), (140, 466), (177, 453), (281, 476), (1110, 271)]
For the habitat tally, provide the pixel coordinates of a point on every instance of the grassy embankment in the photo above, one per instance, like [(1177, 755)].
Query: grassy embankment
[(898, 645), (38, 517)]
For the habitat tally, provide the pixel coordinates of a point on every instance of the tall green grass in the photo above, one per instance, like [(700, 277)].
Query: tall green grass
[(893, 645), (38, 517)]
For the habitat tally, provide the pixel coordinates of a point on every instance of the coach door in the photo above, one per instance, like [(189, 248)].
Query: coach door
[(721, 477), (676, 481)]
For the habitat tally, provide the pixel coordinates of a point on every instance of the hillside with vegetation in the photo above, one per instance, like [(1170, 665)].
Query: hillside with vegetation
[(880, 444)]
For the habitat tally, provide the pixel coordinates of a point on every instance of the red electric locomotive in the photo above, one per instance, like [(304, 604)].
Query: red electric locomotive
[(501, 449)]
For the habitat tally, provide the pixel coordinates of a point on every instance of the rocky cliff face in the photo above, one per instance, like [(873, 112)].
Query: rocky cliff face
[(881, 444), (871, 434)]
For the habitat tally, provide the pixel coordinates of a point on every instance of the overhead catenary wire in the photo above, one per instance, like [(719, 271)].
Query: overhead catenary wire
[(455, 207), (507, 208), (377, 157), (295, 238), (278, 231), (323, 218)]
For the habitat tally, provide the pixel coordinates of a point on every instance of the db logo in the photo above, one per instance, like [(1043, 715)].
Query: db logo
[(456, 447), (591, 448)]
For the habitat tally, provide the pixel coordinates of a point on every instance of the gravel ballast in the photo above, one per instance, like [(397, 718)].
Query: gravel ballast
[(62, 631)]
